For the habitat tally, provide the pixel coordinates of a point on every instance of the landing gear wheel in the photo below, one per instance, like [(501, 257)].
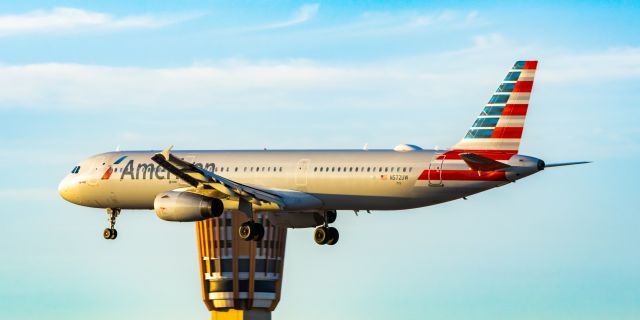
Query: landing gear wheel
[(107, 234), (321, 235), (326, 235), (259, 231), (334, 235), (111, 233), (330, 216), (251, 231)]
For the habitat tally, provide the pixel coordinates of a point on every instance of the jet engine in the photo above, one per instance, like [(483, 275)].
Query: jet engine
[(185, 206)]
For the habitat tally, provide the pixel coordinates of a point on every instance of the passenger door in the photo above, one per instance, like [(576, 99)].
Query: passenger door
[(435, 170), (301, 172)]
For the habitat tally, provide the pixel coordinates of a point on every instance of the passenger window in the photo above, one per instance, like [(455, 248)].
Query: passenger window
[(404, 169), (320, 169), (338, 169), (236, 169), (380, 169), (350, 169), (280, 169), (386, 169), (391, 169), (333, 169), (356, 169), (368, 169)]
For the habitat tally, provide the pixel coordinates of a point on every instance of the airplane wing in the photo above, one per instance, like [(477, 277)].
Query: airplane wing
[(201, 178), (480, 163), (204, 179)]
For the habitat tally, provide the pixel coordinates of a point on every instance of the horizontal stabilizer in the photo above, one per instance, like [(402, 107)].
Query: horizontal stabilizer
[(480, 163), (551, 165)]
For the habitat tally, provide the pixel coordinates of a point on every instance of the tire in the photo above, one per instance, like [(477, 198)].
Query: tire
[(259, 231), (321, 235), (331, 216), (246, 231), (107, 233), (114, 234), (334, 235)]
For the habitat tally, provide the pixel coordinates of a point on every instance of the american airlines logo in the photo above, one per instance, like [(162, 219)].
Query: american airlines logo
[(145, 171)]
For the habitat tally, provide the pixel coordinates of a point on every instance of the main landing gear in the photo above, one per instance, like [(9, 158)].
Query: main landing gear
[(111, 233), (325, 234), (250, 230)]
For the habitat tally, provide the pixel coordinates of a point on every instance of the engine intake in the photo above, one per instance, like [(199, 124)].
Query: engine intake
[(185, 206)]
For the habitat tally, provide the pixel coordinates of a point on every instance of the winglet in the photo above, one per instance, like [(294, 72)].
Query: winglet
[(165, 152)]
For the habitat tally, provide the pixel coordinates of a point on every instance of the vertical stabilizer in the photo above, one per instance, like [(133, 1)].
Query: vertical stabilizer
[(499, 126)]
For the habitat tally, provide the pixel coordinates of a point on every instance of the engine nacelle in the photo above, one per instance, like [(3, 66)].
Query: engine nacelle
[(185, 206)]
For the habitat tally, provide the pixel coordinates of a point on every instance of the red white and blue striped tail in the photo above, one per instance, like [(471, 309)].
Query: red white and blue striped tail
[(499, 125)]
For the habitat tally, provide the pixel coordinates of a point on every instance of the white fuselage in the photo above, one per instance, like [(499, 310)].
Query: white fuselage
[(341, 179)]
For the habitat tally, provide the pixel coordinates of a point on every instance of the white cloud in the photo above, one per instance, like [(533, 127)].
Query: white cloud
[(74, 19), (302, 15), (406, 82), (488, 40), (378, 23), (616, 63)]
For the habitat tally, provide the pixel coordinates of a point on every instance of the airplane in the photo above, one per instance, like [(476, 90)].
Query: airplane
[(306, 188)]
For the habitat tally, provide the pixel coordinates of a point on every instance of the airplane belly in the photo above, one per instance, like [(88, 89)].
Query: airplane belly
[(136, 194)]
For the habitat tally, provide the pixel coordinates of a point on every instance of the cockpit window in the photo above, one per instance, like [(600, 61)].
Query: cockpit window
[(75, 169)]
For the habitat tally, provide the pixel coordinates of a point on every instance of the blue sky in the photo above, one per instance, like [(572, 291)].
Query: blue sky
[(78, 79)]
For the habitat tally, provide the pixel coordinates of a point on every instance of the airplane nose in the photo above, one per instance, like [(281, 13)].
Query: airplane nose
[(66, 190)]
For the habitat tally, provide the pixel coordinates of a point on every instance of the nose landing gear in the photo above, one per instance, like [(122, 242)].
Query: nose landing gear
[(111, 233)]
